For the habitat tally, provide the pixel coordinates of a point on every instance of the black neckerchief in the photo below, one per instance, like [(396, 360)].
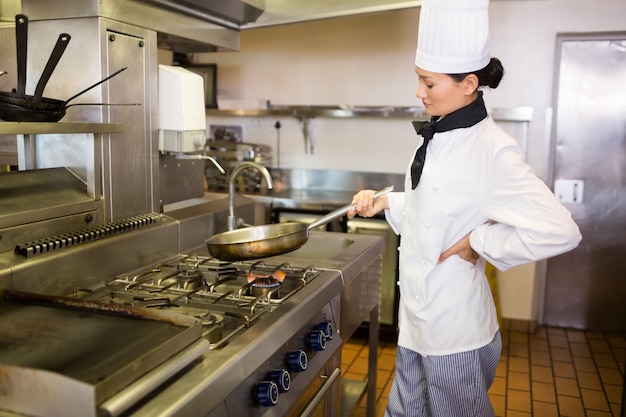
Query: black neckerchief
[(464, 117)]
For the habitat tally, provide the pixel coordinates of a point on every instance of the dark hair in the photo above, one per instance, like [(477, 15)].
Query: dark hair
[(490, 75)]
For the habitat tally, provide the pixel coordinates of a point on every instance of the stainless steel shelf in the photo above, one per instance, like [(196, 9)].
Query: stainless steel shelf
[(518, 114), (352, 392), (36, 128), (327, 111), (28, 132)]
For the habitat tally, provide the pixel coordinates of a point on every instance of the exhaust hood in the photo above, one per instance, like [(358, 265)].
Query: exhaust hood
[(184, 26), (188, 26), (279, 12), (229, 13)]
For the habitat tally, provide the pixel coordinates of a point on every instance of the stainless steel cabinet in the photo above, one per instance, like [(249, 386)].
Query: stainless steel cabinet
[(389, 296)]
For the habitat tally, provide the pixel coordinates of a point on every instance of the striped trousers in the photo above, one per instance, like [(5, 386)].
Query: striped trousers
[(444, 386)]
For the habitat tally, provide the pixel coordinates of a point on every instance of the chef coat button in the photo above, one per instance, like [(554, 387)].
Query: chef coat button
[(422, 261), (427, 224)]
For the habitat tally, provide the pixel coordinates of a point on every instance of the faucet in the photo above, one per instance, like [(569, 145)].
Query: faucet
[(234, 222), (202, 157)]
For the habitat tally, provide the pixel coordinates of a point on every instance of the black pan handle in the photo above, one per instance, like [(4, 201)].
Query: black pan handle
[(92, 86), (21, 40), (62, 42)]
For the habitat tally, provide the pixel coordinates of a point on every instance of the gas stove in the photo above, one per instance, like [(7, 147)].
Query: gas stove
[(227, 297), (175, 332), (271, 324)]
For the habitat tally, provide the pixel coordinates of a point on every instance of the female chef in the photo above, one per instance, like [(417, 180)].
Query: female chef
[(469, 200)]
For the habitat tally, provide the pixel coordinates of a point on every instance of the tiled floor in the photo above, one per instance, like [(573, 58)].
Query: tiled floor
[(550, 372)]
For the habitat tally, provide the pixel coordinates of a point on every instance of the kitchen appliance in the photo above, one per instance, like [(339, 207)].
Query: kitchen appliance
[(228, 300), (182, 118), (50, 371), (269, 340), (231, 299)]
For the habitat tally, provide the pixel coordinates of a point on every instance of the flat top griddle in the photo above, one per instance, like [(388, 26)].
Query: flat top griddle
[(106, 347)]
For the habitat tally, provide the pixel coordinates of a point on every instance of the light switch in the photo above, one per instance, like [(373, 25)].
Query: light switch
[(569, 191)]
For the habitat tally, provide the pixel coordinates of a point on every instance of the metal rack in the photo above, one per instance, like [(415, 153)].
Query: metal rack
[(514, 120)]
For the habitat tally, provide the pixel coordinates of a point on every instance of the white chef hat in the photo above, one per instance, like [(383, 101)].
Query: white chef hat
[(453, 36)]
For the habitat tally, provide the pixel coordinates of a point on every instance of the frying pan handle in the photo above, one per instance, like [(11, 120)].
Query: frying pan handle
[(335, 214), (21, 40), (57, 53), (92, 86)]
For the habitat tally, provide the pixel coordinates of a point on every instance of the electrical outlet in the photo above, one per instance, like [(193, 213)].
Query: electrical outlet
[(569, 191)]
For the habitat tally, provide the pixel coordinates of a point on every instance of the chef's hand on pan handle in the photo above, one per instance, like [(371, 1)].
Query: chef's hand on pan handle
[(364, 204)]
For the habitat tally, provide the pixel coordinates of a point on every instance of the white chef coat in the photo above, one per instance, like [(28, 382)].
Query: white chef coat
[(474, 180)]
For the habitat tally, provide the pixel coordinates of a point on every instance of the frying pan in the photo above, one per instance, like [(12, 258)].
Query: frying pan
[(17, 106), (269, 240)]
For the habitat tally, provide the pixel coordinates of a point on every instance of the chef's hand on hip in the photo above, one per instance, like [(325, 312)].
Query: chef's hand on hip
[(364, 204), (461, 248)]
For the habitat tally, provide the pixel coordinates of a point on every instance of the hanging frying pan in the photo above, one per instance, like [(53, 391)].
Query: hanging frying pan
[(17, 106), (269, 240)]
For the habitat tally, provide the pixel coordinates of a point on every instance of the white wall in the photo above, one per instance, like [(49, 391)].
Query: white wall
[(364, 60), (368, 60)]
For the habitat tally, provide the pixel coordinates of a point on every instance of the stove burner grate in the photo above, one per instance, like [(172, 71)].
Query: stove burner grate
[(227, 296), (190, 279)]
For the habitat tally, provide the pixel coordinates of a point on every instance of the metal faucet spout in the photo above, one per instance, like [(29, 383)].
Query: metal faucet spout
[(202, 157), (233, 222)]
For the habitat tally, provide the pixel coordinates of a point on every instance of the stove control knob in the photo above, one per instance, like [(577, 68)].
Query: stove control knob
[(282, 378), (267, 393), (298, 360), (317, 339), (327, 328)]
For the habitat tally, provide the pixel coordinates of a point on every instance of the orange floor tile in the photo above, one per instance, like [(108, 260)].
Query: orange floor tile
[(543, 372)]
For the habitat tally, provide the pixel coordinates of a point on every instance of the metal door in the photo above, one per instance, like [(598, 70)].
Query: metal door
[(586, 288)]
